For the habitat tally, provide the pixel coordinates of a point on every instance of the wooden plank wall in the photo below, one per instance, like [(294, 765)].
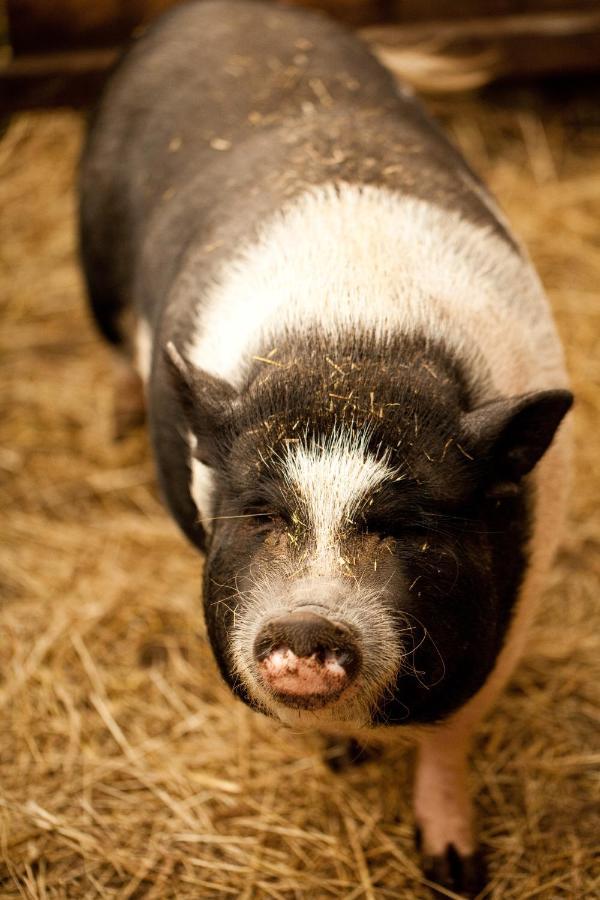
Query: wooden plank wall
[(436, 44)]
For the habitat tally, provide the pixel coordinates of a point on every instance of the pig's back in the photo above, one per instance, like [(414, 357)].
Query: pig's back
[(176, 132), (233, 128), (226, 110)]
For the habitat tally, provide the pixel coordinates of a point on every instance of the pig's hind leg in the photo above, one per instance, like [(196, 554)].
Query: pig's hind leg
[(132, 364), (129, 408), (130, 369), (115, 321)]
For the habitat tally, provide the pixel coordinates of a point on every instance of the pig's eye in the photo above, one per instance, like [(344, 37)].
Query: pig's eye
[(264, 519), (385, 527)]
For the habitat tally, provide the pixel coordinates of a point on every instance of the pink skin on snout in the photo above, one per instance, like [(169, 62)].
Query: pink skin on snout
[(300, 676)]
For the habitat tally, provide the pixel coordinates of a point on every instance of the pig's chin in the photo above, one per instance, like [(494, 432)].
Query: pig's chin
[(348, 707), (307, 701)]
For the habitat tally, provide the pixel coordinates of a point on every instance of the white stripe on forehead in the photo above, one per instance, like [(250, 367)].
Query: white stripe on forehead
[(331, 478)]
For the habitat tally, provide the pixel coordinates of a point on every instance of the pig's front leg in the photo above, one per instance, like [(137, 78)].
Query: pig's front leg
[(444, 813), (343, 752)]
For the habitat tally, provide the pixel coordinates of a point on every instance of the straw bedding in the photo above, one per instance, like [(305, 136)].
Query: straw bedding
[(126, 768)]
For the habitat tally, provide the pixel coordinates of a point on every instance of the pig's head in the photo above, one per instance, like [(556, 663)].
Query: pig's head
[(367, 526)]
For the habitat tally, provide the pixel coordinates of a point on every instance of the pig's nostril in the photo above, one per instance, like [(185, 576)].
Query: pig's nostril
[(343, 658), (307, 634), (306, 659)]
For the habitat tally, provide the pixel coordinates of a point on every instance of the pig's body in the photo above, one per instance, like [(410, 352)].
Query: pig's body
[(259, 194)]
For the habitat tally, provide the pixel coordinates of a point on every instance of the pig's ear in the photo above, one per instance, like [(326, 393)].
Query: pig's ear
[(509, 436), (206, 402)]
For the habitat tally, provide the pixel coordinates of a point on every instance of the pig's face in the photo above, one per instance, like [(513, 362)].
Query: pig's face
[(314, 624), (365, 554)]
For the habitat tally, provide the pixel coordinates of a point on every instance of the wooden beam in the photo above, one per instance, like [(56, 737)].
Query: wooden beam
[(446, 55), (465, 53)]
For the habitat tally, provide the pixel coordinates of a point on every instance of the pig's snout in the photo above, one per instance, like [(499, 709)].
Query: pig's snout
[(306, 660)]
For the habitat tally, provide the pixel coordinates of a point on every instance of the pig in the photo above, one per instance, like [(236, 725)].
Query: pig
[(352, 378)]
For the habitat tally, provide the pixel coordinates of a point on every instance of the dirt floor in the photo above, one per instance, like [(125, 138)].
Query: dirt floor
[(126, 768)]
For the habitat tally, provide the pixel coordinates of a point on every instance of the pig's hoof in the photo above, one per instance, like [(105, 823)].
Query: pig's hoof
[(463, 875), (343, 753)]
